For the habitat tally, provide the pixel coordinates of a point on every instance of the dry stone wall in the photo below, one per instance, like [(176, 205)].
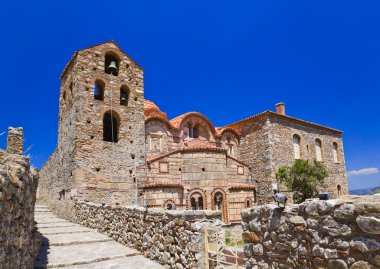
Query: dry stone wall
[(335, 234), (173, 238), (19, 238)]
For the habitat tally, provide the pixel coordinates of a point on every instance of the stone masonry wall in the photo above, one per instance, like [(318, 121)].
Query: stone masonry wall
[(256, 151), (19, 238), (282, 132), (84, 166), (334, 234), (173, 238)]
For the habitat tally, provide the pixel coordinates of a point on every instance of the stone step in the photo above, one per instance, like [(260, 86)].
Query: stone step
[(74, 239), (40, 205), (134, 262), (64, 230), (49, 221), (61, 256), (56, 225)]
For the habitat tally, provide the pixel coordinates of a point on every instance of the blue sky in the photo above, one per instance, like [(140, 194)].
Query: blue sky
[(226, 59)]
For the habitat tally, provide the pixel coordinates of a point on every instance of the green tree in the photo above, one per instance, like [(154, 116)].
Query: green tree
[(302, 178)]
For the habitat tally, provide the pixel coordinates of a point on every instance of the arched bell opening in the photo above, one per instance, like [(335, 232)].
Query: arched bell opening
[(111, 64), (124, 95)]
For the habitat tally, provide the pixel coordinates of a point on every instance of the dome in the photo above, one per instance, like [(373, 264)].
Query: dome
[(152, 111)]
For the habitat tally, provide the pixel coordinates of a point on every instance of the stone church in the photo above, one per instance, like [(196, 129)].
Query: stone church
[(115, 147)]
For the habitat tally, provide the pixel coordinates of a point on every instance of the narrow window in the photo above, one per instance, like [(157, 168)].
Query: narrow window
[(110, 127), (194, 131), (71, 89), (111, 64), (248, 203), (64, 96), (318, 150), (296, 147), (335, 152), (99, 90), (339, 189), (124, 96)]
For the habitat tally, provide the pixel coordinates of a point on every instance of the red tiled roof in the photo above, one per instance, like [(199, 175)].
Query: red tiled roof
[(242, 186), (198, 144), (163, 184), (176, 122), (151, 110), (188, 146)]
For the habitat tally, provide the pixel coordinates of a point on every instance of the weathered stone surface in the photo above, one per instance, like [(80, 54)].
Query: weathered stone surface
[(369, 225), (337, 264), (364, 244), (19, 237), (250, 237), (297, 220), (315, 234), (344, 212), (362, 265)]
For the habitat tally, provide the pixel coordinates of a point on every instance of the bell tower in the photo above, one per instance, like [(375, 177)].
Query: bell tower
[(101, 125)]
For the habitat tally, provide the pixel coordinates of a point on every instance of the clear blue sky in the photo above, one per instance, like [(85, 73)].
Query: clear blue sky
[(226, 59)]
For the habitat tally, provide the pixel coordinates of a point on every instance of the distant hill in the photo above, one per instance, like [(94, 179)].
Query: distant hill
[(364, 191)]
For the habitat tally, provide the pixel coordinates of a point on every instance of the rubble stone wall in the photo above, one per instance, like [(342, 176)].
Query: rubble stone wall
[(337, 234), (19, 238), (173, 238)]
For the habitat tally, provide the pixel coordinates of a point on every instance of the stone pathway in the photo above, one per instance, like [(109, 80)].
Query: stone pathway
[(71, 246)]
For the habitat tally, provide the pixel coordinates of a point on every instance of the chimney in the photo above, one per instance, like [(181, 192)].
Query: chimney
[(280, 108), (15, 141)]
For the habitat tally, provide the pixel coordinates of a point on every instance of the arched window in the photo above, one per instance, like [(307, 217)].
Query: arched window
[(64, 96), (296, 146), (254, 196), (111, 64), (196, 201), (99, 90), (169, 205), (124, 96), (110, 126), (339, 189), (318, 150), (248, 203), (194, 131), (335, 153)]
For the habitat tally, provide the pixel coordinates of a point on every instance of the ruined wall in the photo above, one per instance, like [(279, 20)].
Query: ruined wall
[(173, 238), (19, 238), (282, 132), (334, 234)]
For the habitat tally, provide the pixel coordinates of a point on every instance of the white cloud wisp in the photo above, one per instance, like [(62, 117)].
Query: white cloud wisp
[(365, 171)]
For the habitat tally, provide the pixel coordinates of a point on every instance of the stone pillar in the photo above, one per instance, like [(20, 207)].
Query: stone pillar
[(15, 141)]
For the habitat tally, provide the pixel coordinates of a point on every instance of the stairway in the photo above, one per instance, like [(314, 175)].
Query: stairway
[(71, 246)]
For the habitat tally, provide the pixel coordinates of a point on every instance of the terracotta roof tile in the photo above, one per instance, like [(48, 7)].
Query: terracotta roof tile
[(200, 144), (242, 186), (163, 184), (151, 110)]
